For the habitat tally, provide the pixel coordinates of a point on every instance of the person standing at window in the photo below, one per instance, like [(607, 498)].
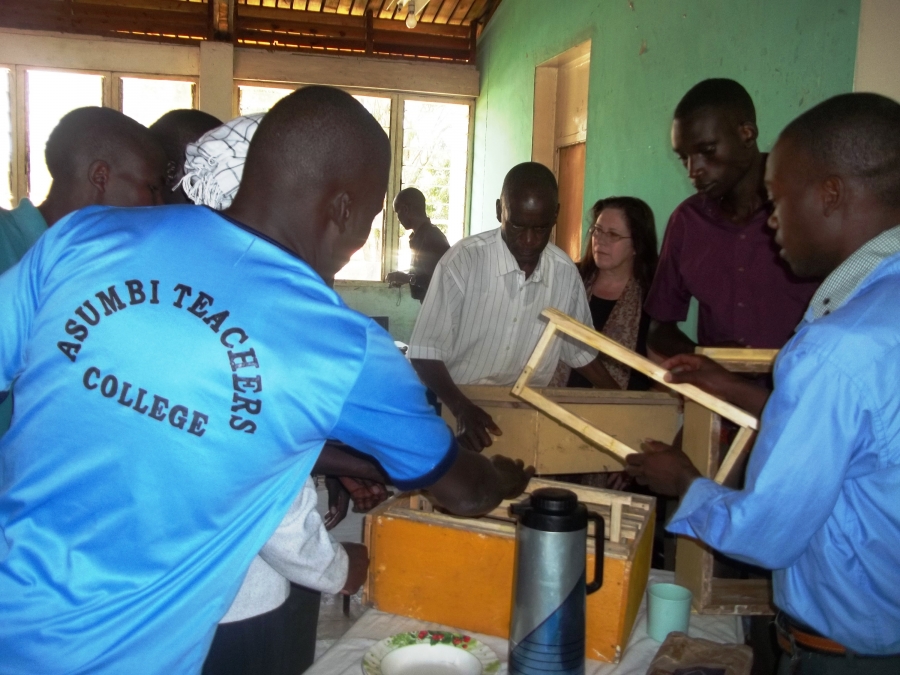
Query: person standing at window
[(427, 242)]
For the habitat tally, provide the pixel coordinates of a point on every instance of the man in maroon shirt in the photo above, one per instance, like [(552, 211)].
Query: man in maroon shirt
[(717, 247)]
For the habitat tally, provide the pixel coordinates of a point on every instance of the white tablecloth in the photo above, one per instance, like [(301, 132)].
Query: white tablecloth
[(345, 656)]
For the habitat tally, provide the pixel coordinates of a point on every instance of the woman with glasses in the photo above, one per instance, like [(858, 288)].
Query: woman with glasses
[(617, 268)]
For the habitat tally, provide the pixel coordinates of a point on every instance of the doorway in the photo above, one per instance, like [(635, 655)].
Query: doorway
[(559, 137)]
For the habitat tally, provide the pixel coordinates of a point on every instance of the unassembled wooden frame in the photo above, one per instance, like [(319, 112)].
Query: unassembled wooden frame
[(559, 322)]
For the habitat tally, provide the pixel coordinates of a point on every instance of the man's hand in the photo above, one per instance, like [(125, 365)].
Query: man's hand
[(514, 476), (664, 469), (338, 502), (366, 494), (397, 279), (474, 428), (357, 567), (703, 372)]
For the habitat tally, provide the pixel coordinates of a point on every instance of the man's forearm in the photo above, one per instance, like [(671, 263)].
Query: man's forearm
[(341, 460), (748, 396), (666, 339), (473, 486), (435, 376)]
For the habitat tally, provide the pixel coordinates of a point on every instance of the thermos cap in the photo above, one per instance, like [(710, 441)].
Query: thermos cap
[(552, 510), (554, 501)]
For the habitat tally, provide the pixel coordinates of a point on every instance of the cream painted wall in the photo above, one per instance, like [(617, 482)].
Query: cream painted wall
[(217, 79), (878, 48)]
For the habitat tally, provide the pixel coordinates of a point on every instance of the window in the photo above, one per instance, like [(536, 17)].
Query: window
[(146, 100), (431, 139), (253, 99), (435, 160), (51, 94), (40, 97), (6, 140)]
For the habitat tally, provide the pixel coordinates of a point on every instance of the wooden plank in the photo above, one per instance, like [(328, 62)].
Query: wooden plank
[(700, 442), (352, 71), (446, 11), (615, 523), (741, 597), (738, 451), (577, 424), (535, 360), (612, 348), (741, 360), (459, 13)]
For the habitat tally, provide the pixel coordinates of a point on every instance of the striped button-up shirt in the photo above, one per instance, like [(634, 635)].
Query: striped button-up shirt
[(482, 317)]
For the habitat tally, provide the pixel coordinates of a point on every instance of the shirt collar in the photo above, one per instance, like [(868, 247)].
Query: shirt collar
[(507, 264), (849, 275)]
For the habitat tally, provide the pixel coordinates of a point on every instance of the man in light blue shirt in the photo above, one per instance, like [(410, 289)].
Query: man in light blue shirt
[(821, 501)]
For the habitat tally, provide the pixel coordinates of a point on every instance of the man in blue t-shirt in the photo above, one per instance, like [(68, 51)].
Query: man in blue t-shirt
[(178, 373)]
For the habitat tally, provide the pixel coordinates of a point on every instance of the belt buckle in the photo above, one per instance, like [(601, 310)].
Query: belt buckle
[(784, 632)]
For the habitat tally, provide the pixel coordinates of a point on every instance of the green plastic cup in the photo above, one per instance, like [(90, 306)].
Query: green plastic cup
[(668, 610)]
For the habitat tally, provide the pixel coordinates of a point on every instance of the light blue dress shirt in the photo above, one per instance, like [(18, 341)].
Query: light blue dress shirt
[(821, 502)]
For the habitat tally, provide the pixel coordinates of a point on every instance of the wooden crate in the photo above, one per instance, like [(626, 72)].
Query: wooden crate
[(541, 441), (459, 571), (694, 562)]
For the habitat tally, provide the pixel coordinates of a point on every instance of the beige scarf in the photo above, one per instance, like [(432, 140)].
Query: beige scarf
[(622, 326)]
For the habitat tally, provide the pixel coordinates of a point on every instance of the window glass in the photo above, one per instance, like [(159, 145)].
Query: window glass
[(146, 100), (5, 140), (253, 99), (51, 94), (366, 263), (435, 156)]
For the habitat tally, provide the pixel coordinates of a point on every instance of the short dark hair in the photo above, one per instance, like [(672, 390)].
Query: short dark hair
[(176, 128), (317, 133), (530, 177), (855, 135), (411, 197), (719, 93), (92, 133), (641, 227)]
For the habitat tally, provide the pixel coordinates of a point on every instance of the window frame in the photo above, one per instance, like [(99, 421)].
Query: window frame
[(112, 89), (390, 244)]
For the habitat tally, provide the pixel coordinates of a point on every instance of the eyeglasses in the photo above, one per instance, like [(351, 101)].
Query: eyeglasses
[(606, 236)]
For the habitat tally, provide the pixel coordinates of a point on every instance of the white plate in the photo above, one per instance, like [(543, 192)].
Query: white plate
[(431, 652)]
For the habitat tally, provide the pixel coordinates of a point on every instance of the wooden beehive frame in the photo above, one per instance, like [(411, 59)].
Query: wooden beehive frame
[(624, 514), (694, 562), (565, 324)]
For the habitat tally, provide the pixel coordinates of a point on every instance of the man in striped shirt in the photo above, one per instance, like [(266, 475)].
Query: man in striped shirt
[(481, 318)]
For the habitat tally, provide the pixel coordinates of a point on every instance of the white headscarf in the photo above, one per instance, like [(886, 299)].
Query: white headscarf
[(213, 166)]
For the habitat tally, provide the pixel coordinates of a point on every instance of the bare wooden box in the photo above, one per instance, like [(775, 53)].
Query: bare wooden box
[(459, 571), (541, 441)]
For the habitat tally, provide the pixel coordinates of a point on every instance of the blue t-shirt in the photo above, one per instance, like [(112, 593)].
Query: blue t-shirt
[(177, 377)]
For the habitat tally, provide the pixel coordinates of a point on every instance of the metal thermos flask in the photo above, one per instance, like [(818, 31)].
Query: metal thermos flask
[(548, 614)]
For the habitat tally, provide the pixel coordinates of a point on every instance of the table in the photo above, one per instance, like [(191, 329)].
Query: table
[(345, 656)]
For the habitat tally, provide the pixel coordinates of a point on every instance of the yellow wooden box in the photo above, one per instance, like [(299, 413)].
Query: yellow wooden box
[(541, 441), (459, 571)]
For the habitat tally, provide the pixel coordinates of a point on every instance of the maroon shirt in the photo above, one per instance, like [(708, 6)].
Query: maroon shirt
[(747, 293)]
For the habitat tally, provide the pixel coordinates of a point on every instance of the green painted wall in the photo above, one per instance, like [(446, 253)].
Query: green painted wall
[(378, 300), (645, 54)]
